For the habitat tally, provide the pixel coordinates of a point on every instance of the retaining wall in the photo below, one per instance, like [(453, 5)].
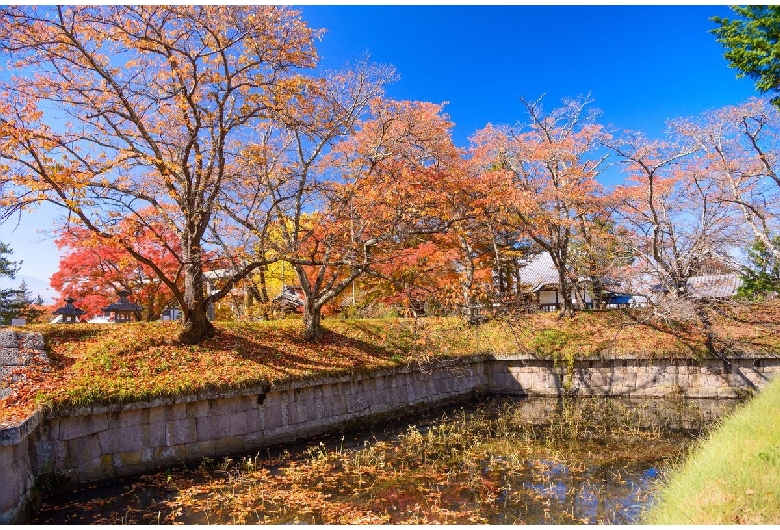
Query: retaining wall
[(631, 377), (102, 442)]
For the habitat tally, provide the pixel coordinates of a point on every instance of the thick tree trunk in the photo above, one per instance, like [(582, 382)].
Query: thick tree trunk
[(195, 325), (312, 322), (567, 307)]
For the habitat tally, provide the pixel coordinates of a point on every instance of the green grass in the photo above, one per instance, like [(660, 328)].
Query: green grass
[(733, 475)]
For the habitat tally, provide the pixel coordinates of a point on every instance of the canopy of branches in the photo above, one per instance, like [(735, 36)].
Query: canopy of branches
[(196, 152)]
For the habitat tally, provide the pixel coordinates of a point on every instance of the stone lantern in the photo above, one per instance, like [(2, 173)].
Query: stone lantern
[(70, 313), (123, 309)]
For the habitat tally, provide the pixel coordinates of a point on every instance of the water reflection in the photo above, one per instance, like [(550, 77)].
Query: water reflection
[(500, 461)]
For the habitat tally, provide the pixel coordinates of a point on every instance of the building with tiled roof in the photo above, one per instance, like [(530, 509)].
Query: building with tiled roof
[(714, 285), (540, 277)]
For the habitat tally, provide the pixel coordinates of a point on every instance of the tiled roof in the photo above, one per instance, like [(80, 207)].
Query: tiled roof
[(69, 309), (539, 271), (714, 285)]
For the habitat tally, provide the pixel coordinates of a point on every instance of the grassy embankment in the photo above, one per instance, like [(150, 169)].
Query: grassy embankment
[(732, 476), (101, 364)]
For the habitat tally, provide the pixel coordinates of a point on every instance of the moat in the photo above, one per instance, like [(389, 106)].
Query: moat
[(499, 461)]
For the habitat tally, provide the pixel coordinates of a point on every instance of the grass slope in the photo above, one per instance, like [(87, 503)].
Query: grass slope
[(732, 475), (94, 363)]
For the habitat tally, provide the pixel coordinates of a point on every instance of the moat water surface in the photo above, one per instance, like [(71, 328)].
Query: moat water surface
[(499, 461)]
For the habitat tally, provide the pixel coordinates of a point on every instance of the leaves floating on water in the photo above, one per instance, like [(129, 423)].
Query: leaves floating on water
[(486, 464)]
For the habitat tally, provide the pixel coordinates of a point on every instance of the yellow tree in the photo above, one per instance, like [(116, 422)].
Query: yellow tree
[(110, 110)]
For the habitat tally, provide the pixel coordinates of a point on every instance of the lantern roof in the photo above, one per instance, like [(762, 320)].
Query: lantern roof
[(123, 305), (69, 309)]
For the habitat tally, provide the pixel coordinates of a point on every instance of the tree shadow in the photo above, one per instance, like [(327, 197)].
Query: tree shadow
[(285, 352)]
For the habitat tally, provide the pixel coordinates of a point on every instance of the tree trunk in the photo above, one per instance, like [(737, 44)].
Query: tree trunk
[(312, 322), (195, 325), (249, 300), (598, 293), (467, 284), (263, 293), (567, 307), (709, 335)]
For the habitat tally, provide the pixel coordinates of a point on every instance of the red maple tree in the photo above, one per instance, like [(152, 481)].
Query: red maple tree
[(93, 269)]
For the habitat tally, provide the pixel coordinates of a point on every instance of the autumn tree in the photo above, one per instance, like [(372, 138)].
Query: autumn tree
[(602, 254), (739, 145), (445, 271), (108, 110), (94, 269), (752, 44), (456, 259), (452, 260), (337, 170), (290, 205), (544, 177), (670, 203), (403, 172), (263, 285), (475, 237), (422, 275)]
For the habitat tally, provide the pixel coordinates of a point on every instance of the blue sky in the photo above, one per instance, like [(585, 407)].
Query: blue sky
[(641, 64)]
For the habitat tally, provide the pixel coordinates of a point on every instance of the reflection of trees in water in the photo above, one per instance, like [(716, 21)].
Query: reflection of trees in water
[(613, 494), (485, 463)]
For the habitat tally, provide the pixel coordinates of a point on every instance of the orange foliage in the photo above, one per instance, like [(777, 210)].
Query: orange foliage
[(95, 269), (161, 98)]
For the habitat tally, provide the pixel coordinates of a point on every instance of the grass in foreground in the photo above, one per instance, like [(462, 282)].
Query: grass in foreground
[(122, 363), (733, 475)]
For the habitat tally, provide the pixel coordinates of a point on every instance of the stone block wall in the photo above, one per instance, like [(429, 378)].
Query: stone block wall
[(18, 351), (632, 378), (112, 441), (102, 442)]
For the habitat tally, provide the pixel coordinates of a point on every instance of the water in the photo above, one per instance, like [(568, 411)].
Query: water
[(501, 461)]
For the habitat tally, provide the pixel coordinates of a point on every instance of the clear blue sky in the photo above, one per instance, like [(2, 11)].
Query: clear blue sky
[(642, 64)]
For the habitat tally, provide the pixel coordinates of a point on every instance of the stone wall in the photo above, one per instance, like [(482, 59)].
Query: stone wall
[(119, 440), (102, 442), (17, 352), (630, 377)]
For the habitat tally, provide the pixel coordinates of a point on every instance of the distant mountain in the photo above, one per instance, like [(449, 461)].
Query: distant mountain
[(35, 285)]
